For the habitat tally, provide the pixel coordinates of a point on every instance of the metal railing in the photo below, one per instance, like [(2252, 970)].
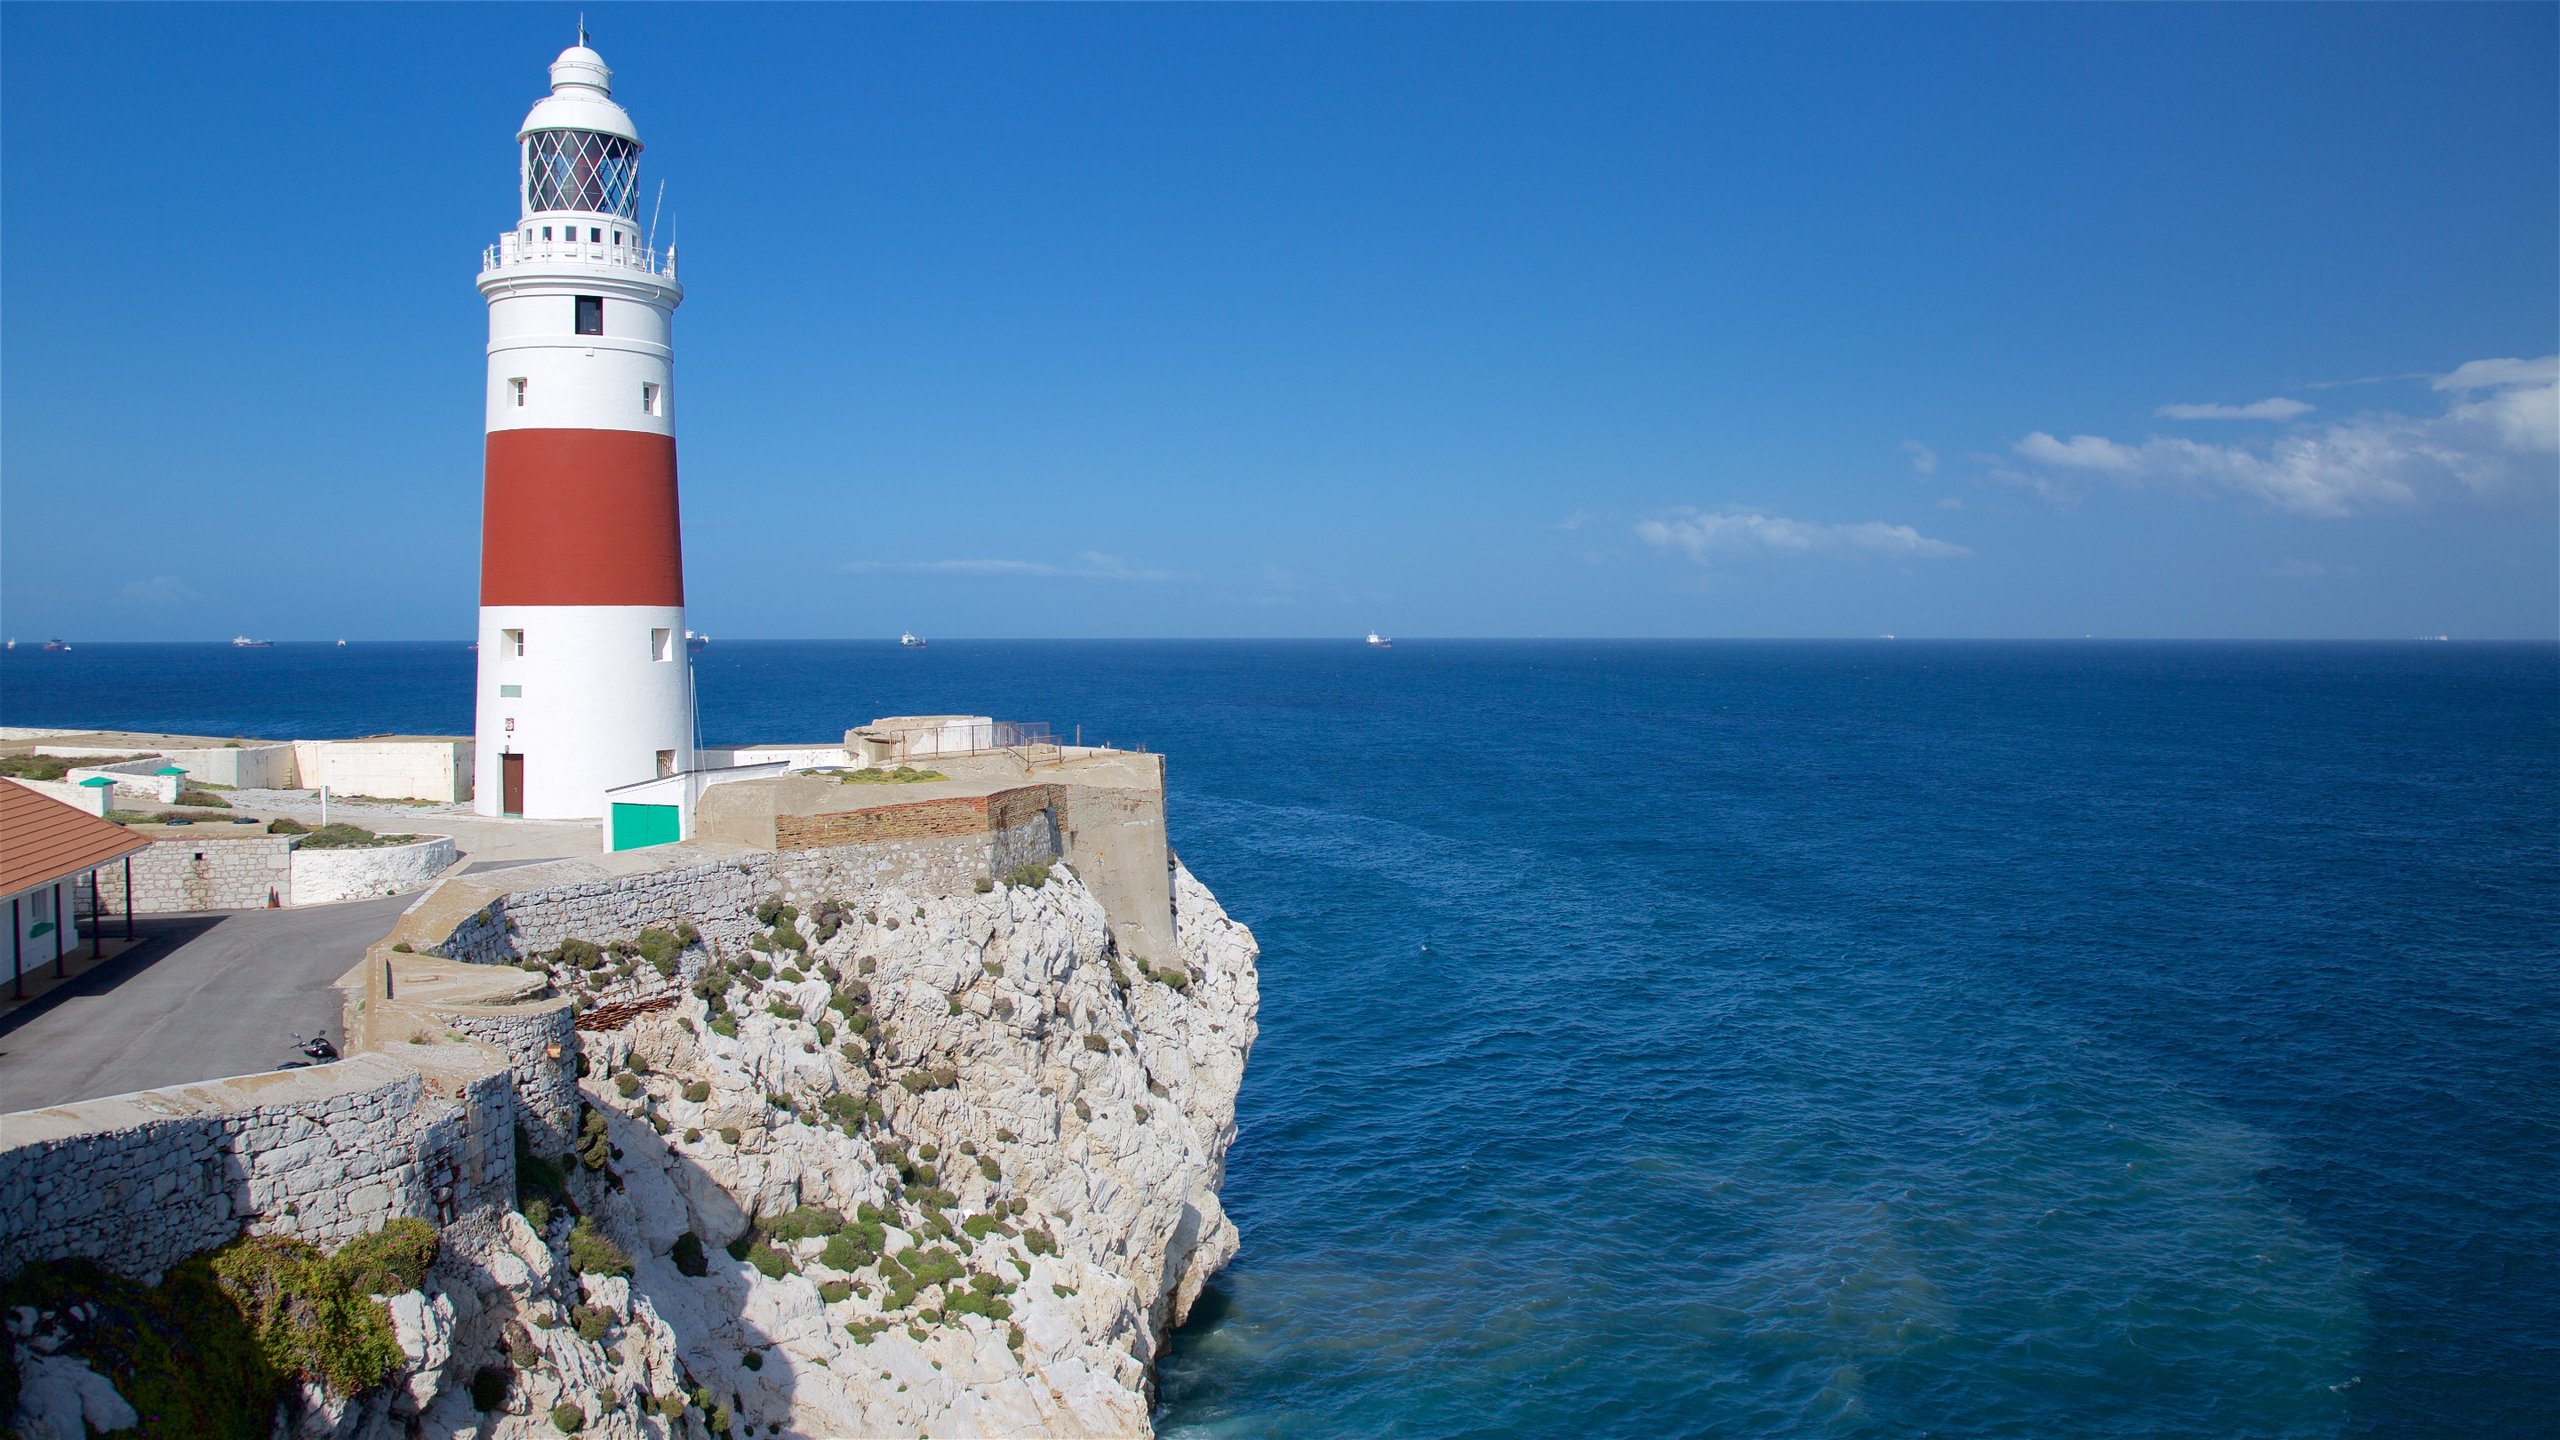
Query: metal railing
[(513, 249)]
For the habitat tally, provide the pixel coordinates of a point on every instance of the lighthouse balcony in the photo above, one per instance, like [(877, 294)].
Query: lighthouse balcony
[(513, 249)]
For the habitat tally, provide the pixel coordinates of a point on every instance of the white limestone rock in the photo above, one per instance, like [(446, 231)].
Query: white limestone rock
[(1103, 1099)]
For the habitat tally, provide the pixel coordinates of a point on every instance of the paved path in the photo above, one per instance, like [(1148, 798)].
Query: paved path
[(206, 996)]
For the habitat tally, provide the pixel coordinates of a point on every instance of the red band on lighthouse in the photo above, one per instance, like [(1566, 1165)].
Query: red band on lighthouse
[(580, 517)]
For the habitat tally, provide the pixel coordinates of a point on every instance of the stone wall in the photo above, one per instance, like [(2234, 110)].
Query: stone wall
[(216, 872), (546, 1085), (321, 877), (140, 1182), (719, 897)]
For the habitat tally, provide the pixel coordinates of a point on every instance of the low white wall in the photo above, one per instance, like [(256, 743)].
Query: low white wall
[(250, 767), (135, 778), (322, 877), (87, 799), (406, 769)]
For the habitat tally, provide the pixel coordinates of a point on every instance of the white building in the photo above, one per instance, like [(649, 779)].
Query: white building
[(584, 680)]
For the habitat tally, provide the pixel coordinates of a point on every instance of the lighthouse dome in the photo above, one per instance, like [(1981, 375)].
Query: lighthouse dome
[(581, 98)]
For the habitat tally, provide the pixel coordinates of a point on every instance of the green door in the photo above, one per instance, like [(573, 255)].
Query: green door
[(635, 826)]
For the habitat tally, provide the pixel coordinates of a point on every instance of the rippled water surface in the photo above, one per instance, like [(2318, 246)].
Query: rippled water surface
[(1851, 1039)]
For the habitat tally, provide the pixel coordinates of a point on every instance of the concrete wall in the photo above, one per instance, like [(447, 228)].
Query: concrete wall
[(136, 778), (322, 877), (87, 799), (1114, 836), (48, 905), (546, 1086), (140, 1182), (252, 767), (392, 768)]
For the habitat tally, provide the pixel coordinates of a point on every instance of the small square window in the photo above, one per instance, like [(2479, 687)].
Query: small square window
[(617, 237), (666, 763), (511, 644), (515, 387), (510, 692), (595, 235), (546, 233), (662, 644), (590, 314), (649, 399)]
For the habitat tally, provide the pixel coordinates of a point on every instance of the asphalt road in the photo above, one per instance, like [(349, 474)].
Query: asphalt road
[(206, 996)]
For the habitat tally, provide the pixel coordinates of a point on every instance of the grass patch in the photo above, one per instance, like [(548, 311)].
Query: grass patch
[(1030, 875), (902, 775), (54, 767)]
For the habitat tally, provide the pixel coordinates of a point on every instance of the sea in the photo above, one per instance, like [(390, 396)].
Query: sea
[(1808, 1039)]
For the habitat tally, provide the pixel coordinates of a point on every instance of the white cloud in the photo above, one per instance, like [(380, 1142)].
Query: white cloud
[(159, 590), (2278, 408), (1090, 565), (1924, 460), (1703, 534), (2500, 427), (2501, 374)]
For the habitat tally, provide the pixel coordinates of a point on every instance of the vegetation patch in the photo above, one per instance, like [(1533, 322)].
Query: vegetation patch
[(1030, 875), (338, 835), (592, 1253), (902, 775), (54, 767)]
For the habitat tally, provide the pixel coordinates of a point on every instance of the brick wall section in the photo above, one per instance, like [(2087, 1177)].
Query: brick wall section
[(325, 1154), (923, 819)]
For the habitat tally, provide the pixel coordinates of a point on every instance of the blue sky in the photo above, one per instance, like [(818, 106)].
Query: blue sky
[(1141, 321)]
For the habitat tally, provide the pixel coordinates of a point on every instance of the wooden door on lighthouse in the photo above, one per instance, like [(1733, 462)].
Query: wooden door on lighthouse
[(511, 784)]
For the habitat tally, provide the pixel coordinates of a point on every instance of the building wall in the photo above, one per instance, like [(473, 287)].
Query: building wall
[(325, 1154), (49, 904), (593, 709)]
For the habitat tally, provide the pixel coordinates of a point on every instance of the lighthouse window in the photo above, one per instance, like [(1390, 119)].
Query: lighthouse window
[(617, 237), (590, 314), (546, 234), (649, 399), (515, 387), (511, 644), (662, 644)]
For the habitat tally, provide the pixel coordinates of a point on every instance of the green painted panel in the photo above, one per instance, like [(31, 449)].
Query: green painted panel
[(635, 826)]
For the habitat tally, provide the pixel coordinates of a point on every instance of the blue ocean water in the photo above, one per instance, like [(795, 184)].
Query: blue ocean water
[(1829, 1039)]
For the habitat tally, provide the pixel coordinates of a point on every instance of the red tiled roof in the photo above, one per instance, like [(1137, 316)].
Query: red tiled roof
[(42, 840)]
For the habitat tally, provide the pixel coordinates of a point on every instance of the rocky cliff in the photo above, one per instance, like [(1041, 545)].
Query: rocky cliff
[(906, 1163)]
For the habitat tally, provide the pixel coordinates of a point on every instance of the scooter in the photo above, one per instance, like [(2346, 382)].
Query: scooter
[(317, 1047)]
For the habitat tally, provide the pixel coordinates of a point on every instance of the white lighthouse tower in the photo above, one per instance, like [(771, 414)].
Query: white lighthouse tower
[(584, 680)]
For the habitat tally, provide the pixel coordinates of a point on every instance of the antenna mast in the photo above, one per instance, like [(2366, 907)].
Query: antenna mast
[(654, 208)]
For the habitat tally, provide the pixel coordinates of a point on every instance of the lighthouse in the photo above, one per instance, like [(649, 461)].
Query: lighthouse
[(584, 682)]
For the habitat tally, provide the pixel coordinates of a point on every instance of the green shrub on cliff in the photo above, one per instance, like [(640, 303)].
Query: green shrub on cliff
[(309, 1318), (1029, 875), (591, 1253), (697, 1091), (391, 1260), (567, 1418), (660, 948)]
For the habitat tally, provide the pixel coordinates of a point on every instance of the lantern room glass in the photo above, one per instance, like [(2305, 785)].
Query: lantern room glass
[(581, 170)]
